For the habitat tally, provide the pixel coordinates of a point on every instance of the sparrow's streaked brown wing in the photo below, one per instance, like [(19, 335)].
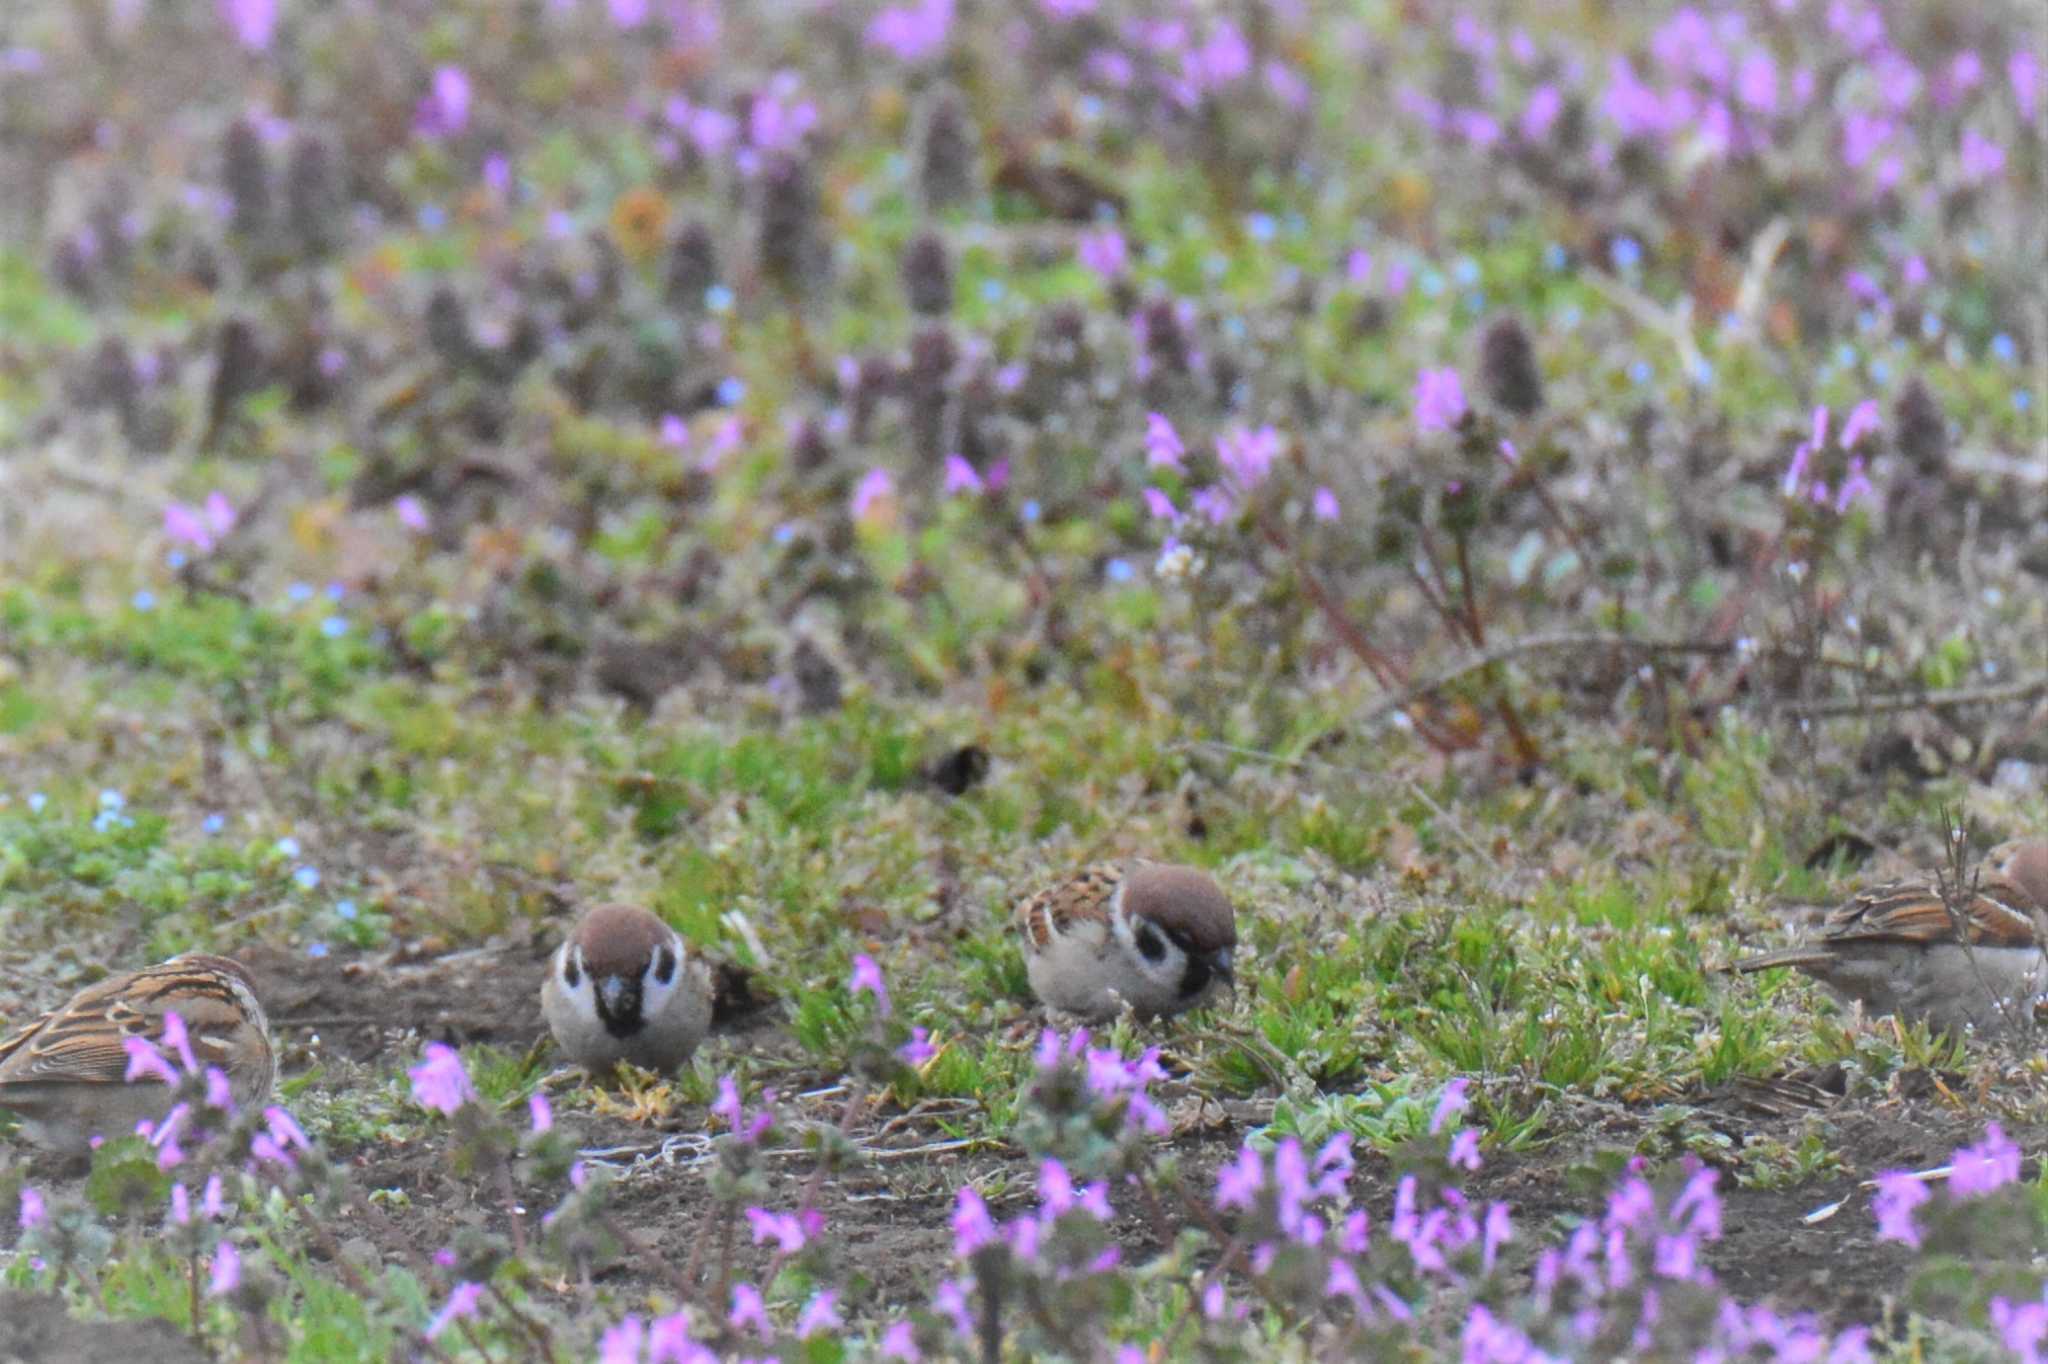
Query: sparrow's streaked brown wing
[(1058, 910), (83, 1042), (1913, 911)]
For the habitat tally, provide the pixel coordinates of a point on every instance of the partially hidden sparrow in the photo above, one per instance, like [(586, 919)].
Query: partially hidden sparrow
[(1898, 948), (1151, 936), (65, 1073), (624, 987)]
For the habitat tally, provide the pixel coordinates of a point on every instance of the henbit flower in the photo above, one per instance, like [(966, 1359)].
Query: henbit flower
[(542, 1112), (145, 1060), (1103, 251), (1987, 1165), (211, 1203), (1247, 456), (1500, 1229), (1981, 158), (1856, 485), (227, 1270), (1324, 505), (1449, 1104), (444, 112), (1898, 1193), (876, 486), (203, 526), (1464, 1153), (411, 513), (1161, 507), (1238, 1183), (789, 1231), (1439, 400), (973, 1228), (748, 1311), (821, 1313), (34, 1211), (1215, 504), (463, 1302), (918, 1049), (867, 977), (253, 21), (961, 478), (284, 1128), (1863, 419), (440, 1082), (1163, 448), (913, 32), (2023, 72), (621, 1344)]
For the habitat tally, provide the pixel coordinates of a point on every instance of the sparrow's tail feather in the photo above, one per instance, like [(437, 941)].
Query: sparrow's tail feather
[(1788, 956)]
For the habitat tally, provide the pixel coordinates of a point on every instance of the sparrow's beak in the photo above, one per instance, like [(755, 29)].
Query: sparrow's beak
[(1220, 964)]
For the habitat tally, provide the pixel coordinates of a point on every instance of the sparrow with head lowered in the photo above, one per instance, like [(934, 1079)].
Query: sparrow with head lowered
[(1973, 960), (65, 1074), (1145, 935), (624, 987)]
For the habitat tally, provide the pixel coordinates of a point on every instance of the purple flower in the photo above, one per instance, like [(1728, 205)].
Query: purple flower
[(254, 21), (628, 13), (1163, 449), (621, 1344), (1239, 1182), (440, 1082), (1898, 1193), (227, 1270), (748, 1311), (1215, 504), (1855, 485), (1324, 505), (411, 514), (876, 486), (1103, 251), (145, 1060), (1439, 400), (2023, 72), (973, 1228), (444, 112), (785, 1229), (1247, 456), (918, 1049), (961, 478), (1982, 158), (463, 1302), (284, 1129), (34, 1212), (202, 526), (899, 1342), (1449, 1104), (1464, 1154), (542, 1112), (868, 977), (1541, 113), (1222, 58), (1990, 1164), (1161, 506), (913, 32), (821, 1313)]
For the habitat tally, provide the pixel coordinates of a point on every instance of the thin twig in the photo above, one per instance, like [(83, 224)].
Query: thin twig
[(2026, 689)]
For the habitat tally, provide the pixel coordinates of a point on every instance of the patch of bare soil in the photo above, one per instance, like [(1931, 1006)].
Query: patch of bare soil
[(35, 1329)]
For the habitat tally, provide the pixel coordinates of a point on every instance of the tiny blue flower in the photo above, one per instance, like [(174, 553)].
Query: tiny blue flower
[(335, 591), (2021, 400), (1118, 570), (992, 290), (1639, 372), (1702, 371), (2003, 349), (1476, 301), (345, 909), (1215, 265), (1234, 328), (1089, 107), (1845, 355), (1431, 281), (1029, 511), (143, 600), (175, 559), (111, 799), (433, 217), (213, 824), (718, 299), (1465, 270), (783, 533), (731, 389), (307, 877), (104, 821), (1930, 326), (334, 627), (1626, 252), (316, 950), (300, 592), (288, 846), (1554, 256), (36, 801), (1261, 226), (1880, 372)]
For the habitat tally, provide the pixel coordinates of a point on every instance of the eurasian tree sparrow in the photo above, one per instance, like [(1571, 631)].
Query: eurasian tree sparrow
[(65, 1073), (1896, 947), (1155, 937), (623, 987)]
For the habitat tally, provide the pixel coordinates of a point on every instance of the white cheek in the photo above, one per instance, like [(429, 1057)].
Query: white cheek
[(582, 995), (654, 992)]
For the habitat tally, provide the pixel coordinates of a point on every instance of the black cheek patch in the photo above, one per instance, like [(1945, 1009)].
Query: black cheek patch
[(1151, 944), (571, 977), (1196, 978), (665, 966)]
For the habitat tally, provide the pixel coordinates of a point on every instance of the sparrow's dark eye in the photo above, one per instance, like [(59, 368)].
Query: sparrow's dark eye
[(1150, 943), (665, 965), (571, 977)]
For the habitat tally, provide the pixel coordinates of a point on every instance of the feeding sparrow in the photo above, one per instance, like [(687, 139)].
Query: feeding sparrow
[(624, 988), (1896, 947), (1155, 937), (65, 1073)]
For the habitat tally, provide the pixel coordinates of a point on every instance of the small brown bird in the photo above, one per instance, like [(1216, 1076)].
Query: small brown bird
[(1147, 935), (624, 987), (1899, 949), (65, 1073)]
